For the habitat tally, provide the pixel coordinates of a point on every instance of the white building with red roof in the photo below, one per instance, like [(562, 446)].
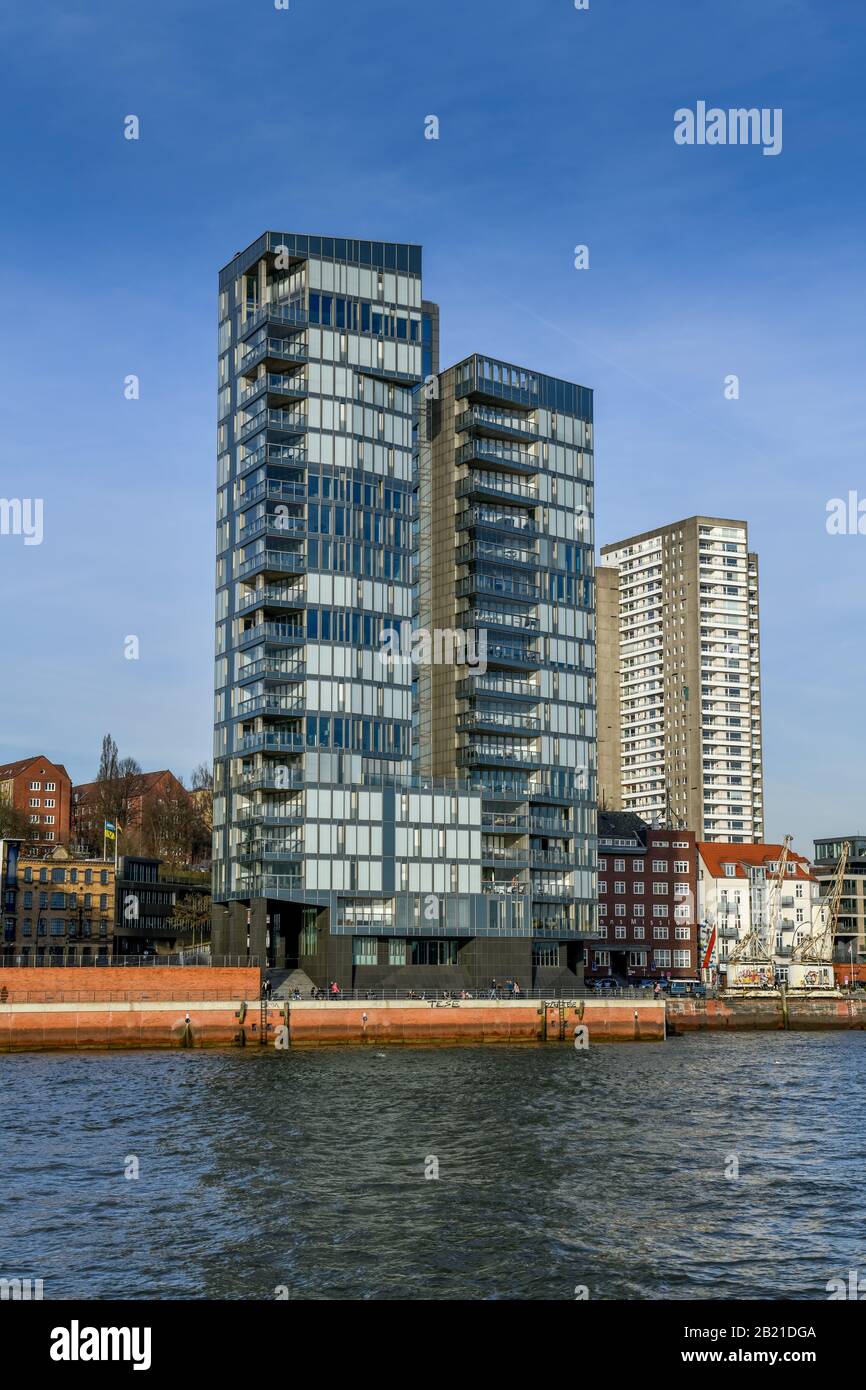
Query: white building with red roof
[(739, 890)]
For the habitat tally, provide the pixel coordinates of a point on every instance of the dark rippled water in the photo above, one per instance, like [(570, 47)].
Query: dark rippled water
[(556, 1169)]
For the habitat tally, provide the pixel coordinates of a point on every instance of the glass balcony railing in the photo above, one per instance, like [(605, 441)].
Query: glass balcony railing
[(499, 586), (500, 484), (517, 460), (271, 669), (279, 349), (271, 741), (274, 524), (280, 455), (267, 560), (272, 596)]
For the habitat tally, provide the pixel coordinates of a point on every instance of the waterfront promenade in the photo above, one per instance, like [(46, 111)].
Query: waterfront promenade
[(200, 1006)]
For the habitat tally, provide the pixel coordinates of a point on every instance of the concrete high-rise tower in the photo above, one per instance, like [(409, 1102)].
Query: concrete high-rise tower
[(680, 700)]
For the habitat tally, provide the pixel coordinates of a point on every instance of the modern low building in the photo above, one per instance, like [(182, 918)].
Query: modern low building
[(681, 725), (56, 910), (739, 889), (42, 791), (159, 913), (850, 944), (647, 902)]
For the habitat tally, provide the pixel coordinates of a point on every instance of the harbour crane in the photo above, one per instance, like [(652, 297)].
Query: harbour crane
[(774, 897), (812, 961), (752, 957)]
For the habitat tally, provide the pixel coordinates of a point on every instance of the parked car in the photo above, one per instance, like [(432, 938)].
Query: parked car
[(686, 988)]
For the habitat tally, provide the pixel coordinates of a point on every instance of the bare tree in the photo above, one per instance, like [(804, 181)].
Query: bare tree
[(14, 824), (171, 826)]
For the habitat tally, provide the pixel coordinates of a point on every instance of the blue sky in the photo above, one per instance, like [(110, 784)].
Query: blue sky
[(556, 128)]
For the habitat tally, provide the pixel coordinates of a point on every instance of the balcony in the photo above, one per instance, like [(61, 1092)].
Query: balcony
[(277, 421), (541, 858), (488, 755), (268, 886), (290, 388), (498, 423), (485, 451), (270, 669), (276, 350), (272, 524), (511, 722), (490, 552), (271, 706), (498, 586), (485, 618), (274, 489), (504, 822), (512, 687), (502, 654), (282, 634), (275, 455), (480, 485), (512, 858), (249, 819), (272, 561), (260, 851), (269, 741), (271, 596), (280, 317), (484, 519), (551, 825), (264, 779)]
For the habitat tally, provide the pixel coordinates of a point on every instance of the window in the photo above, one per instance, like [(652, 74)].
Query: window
[(660, 933), (364, 950), (619, 932), (35, 786), (638, 866), (602, 886), (602, 864), (619, 910), (637, 958), (659, 866), (681, 933), (601, 957), (660, 909), (639, 933), (681, 866), (51, 786), (638, 888), (619, 866), (619, 886), (545, 953), (659, 888), (681, 890), (682, 960), (396, 951), (433, 952), (730, 870), (662, 959)]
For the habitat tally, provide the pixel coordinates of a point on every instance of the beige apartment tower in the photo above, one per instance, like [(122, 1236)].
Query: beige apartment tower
[(679, 683)]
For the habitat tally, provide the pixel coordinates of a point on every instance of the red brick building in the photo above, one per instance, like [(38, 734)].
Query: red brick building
[(647, 902), (42, 791), (87, 817)]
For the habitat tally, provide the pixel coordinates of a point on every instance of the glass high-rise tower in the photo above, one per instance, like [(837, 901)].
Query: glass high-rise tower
[(373, 817)]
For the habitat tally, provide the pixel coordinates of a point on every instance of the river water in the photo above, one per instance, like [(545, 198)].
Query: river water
[(715, 1166)]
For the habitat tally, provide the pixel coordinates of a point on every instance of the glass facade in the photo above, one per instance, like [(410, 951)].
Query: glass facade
[(337, 815)]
